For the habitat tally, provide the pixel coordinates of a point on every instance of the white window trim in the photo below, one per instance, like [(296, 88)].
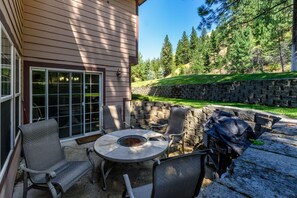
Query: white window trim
[(11, 97), (46, 70)]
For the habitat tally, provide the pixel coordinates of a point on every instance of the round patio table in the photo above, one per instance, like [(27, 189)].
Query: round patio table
[(129, 146)]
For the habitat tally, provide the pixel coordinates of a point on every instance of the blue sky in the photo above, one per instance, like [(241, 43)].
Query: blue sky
[(160, 17)]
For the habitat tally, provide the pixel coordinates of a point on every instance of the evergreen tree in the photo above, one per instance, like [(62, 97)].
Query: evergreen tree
[(166, 57), (185, 49), (193, 43), (197, 64), (214, 49), (138, 71), (206, 53), (148, 70), (178, 54), (234, 13), (239, 52), (155, 65)]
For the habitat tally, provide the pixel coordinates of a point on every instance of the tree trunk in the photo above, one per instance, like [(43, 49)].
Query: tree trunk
[(294, 37)]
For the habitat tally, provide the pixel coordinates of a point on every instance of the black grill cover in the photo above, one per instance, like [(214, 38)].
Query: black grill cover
[(229, 130)]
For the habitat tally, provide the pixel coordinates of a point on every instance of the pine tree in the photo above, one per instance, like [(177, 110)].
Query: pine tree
[(193, 43), (185, 49), (138, 71), (233, 13), (178, 54), (166, 57), (239, 52), (214, 49)]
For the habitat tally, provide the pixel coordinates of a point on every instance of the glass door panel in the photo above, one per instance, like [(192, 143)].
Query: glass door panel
[(77, 104), (72, 98), (63, 103), (5, 130), (38, 96), (93, 102), (5, 65)]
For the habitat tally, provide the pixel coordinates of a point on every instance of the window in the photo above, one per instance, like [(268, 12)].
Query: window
[(10, 102), (73, 98)]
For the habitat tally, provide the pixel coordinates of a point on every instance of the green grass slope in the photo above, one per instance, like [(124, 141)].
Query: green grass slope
[(290, 112), (212, 78)]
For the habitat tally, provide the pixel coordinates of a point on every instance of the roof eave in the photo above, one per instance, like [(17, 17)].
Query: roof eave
[(140, 2)]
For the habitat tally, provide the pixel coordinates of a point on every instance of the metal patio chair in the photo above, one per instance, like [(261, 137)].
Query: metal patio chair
[(46, 165), (112, 119), (179, 177), (174, 133)]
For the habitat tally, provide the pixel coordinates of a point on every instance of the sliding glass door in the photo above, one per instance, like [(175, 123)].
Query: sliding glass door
[(72, 98)]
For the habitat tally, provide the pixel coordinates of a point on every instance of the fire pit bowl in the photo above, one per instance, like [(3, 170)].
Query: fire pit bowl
[(132, 140)]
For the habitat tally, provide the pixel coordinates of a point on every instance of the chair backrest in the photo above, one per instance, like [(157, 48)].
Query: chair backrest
[(179, 176), (41, 144), (36, 112), (176, 120), (112, 118)]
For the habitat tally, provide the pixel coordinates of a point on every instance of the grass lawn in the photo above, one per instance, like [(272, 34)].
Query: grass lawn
[(210, 78), (290, 112)]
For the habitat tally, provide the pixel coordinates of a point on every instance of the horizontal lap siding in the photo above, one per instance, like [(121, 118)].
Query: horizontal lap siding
[(91, 34), (13, 18)]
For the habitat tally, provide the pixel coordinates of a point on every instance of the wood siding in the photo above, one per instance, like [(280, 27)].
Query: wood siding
[(12, 19), (84, 34)]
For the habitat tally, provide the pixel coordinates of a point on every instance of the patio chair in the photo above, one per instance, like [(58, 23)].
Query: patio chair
[(174, 133), (112, 119), (46, 165), (179, 177)]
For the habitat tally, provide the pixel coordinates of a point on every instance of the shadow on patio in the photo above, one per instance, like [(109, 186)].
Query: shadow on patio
[(140, 174)]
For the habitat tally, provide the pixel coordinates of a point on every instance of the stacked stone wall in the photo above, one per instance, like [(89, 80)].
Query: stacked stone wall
[(143, 113), (281, 92)]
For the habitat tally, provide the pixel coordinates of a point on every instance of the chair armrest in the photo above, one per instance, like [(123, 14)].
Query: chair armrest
[(75, 148), (104, 131), (128, 186), (49, 174), (88, 151), (156, 125), (128, 125), (180, 134)]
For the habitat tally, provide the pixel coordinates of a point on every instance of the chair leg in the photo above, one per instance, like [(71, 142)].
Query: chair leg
[(104, 173), (93, 175), (25, 185), (53, 190)]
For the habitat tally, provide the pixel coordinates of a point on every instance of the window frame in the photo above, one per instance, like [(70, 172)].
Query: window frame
[(84, 73), (11, 97)]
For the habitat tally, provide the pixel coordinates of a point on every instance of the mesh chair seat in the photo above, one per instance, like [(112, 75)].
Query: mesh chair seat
[(175, 133), (67, 174), (143, 191), (43, 154), (179, 177)]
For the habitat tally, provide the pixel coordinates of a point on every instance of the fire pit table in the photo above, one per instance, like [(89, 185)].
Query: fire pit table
[(129, 146)]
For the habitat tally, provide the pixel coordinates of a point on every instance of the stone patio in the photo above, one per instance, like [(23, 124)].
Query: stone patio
[(280, 144), (139, 173)]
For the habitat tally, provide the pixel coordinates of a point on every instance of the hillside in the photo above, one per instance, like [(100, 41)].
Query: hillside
[(211, 78)]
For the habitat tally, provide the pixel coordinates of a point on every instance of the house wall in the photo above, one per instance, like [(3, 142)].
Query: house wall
[(11, 16), (87, 35)]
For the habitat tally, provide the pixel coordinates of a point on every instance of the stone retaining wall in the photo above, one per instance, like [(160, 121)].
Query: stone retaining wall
[(144, 112), (281, 92)]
